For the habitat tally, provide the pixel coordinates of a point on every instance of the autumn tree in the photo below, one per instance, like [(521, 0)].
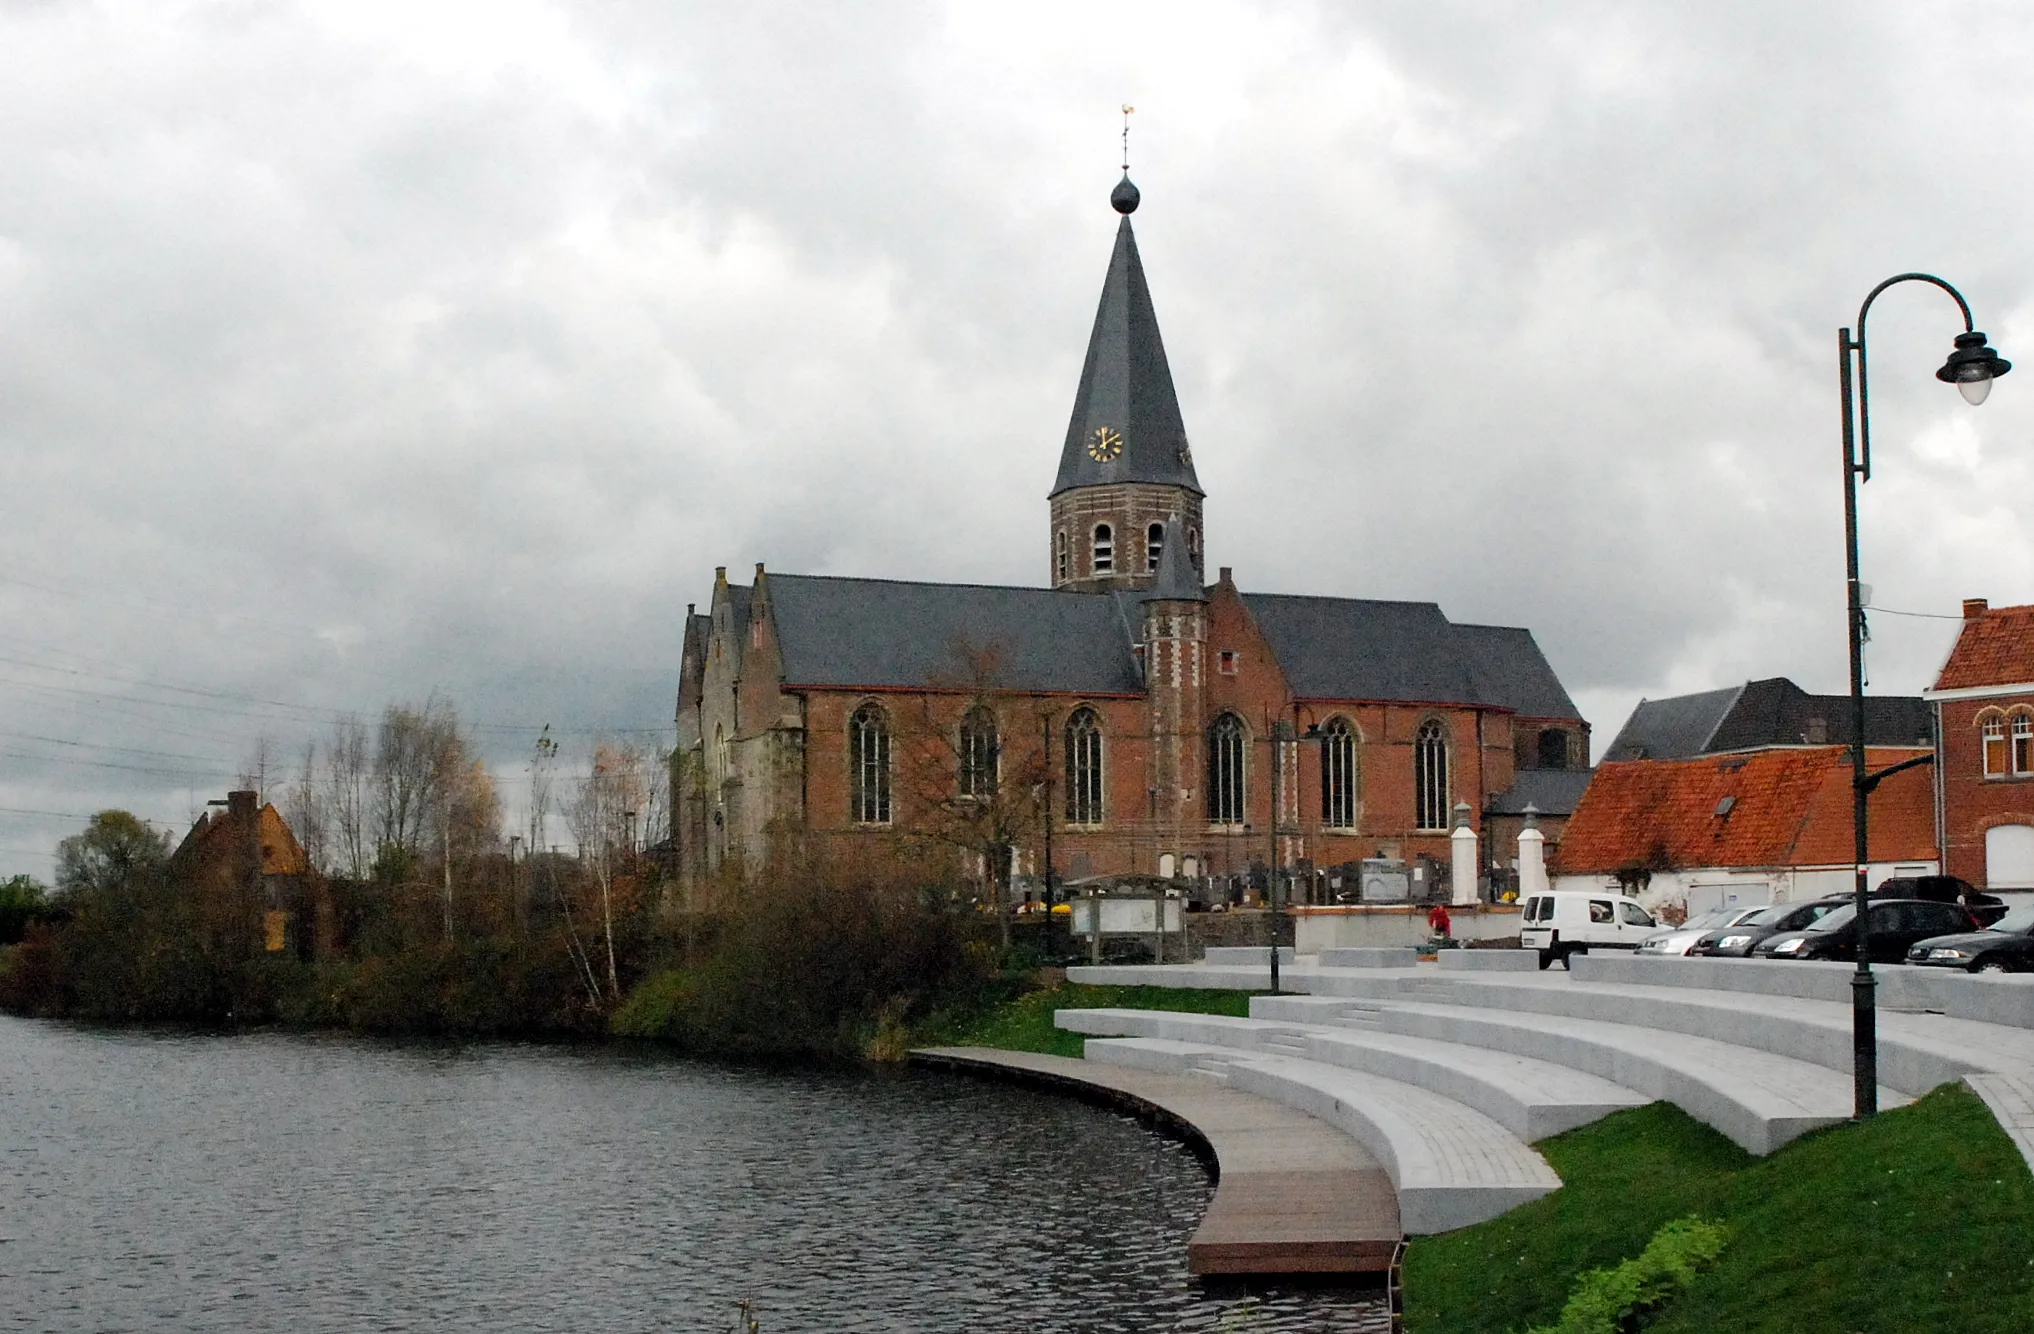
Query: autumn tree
[(620, 790)]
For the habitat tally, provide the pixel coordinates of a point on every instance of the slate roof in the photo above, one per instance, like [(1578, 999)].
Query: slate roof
[(1994, 648), (1359, 649), (1126, 388), (1769, 712), (1548, 791), (878, 633), (1790, 806)]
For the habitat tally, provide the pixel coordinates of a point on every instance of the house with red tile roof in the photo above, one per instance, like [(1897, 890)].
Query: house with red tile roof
[(1754, 826), (1984, 725)]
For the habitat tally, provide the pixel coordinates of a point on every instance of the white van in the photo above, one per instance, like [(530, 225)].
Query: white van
[(1562, 922)]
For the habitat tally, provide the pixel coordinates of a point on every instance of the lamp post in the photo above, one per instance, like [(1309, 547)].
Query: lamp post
[(1971, 367), (1282, 733)]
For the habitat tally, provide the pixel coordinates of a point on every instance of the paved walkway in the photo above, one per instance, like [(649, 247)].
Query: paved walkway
[(1293, 1194)]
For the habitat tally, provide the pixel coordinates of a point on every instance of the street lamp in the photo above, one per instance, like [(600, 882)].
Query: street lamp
[(1971, 368), (1282, 733)]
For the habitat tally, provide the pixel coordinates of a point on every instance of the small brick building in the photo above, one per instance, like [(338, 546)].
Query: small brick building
[(1984, 770), (1143, 710)]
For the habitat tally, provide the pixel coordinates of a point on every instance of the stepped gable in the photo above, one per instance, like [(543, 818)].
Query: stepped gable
[(1126, 385), (1786, 807), (884, 633), (1353, 648), (1994, 648)]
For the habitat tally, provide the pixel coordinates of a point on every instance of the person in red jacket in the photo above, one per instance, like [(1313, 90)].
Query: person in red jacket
[(1439, 922)]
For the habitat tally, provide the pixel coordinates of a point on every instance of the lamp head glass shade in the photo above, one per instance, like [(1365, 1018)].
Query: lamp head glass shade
[(1972, 367)]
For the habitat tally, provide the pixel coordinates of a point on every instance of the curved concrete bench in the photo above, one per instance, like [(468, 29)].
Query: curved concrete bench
[(1530, 1098), (1758, 1099), (1450, 1164)]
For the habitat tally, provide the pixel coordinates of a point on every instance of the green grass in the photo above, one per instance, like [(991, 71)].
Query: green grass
[(1922, 1219), (1025, 1024)]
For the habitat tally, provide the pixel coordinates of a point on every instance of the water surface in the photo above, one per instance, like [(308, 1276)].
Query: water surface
[(166, 1180)]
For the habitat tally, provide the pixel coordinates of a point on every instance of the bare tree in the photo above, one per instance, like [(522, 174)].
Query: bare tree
[(307, 808), (976, 790), (348, 794), (254, 775), (613, 796), (430, 795)]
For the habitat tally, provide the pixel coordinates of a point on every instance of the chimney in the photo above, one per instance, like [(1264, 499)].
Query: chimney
[(759, 569), (1226, 578), (1974, 608), (240, 807)]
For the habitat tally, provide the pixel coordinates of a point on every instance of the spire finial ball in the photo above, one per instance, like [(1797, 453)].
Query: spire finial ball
[(1124, 197)]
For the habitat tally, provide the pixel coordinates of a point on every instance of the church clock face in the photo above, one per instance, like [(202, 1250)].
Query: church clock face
[(1104, 445)]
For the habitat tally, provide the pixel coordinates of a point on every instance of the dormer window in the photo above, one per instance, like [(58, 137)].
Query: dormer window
[(1154, 545), (1105, 549)]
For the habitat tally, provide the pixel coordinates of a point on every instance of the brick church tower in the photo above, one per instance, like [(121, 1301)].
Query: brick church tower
[(1125, 469)]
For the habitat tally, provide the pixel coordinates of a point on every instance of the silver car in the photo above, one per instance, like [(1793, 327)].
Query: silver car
[(1677, 939)]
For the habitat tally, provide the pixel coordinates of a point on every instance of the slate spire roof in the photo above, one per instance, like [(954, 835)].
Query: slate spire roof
[(1126, 385)]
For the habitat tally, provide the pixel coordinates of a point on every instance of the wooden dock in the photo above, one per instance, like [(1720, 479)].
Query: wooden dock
[(1293, 1195)]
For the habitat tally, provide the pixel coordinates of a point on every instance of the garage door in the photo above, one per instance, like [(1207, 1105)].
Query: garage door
[(2009, 857)]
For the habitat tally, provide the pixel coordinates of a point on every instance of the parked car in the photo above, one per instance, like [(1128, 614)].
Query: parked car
[(1677, 939), (1985, 907), (1735, 942), (1562, 922), (2006, 946), (1895, 925)]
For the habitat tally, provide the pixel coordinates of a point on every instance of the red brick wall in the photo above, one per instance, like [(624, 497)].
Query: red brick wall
[(1971, 802)]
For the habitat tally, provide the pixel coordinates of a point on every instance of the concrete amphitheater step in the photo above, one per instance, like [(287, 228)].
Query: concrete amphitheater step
[(1530, 1098), (1913, 1056), (1758, 1099), (1451, 1165)]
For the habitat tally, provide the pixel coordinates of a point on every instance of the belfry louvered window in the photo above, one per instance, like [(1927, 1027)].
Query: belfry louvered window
[(1430, 775), (1059, 555), (1228, 745), (978, 745), (1084, 767), (1105, 548), (869, 766), (1338, 774), (1154, 545)]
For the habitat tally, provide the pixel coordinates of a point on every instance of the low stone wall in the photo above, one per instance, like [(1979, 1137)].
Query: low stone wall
[(1367, 925), (1248, 926)]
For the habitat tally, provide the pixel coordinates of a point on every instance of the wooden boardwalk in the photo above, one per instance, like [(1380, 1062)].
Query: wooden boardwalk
[(1293, 1195)]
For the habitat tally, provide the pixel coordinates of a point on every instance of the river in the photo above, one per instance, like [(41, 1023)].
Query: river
[(155, 1179)]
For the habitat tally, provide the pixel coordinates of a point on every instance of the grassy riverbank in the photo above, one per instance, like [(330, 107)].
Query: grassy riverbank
[(1025, 1023), (1921, 1219)]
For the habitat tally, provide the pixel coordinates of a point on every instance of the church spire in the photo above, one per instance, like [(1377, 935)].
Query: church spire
[(1126, 425)]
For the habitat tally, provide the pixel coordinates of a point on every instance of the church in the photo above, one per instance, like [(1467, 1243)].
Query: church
[(1130, 717)]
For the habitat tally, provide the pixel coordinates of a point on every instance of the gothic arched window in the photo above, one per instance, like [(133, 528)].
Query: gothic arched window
[(1105, 548), (1084, 767), (1059, 562), (1993, 728), (869, 766), (1430, 775), (1227, 744), (1338, 774), (1154, 545), (978, 754)]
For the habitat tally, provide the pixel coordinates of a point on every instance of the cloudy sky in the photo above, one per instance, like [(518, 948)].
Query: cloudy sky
[(355, 352)]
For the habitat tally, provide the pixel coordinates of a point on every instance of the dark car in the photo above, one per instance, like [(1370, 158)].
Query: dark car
[(1943, 889), (2006, 946), (1895, 925), (1736, 942)]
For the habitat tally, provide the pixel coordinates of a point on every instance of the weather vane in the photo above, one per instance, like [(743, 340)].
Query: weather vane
[(1128, 111)]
